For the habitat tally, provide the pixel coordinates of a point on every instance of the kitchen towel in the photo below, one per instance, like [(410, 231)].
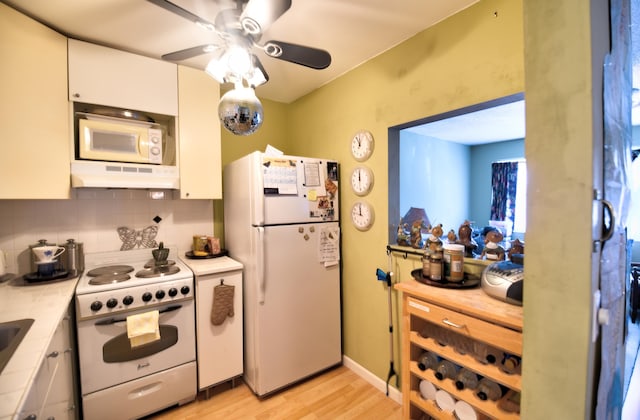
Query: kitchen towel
[(222, 303), (143, 328)]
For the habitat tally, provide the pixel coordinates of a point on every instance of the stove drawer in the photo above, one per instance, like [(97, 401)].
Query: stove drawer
[(142, 396)]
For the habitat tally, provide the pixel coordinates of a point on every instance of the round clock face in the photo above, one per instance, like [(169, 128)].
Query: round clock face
[(362, 145), (362, 215), (362, 180)]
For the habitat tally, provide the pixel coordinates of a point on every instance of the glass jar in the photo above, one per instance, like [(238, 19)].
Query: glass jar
[(435, 266)]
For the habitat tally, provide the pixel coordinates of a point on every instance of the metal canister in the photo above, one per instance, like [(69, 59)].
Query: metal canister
[(72, 259)]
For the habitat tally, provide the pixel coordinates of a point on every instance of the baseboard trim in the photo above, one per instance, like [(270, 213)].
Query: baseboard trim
[(378, 383)]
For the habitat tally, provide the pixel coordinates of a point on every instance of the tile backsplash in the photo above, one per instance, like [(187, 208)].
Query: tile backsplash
[(93, 216)]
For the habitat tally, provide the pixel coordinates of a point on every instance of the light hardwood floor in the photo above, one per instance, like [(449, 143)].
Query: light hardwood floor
[(337, 394)]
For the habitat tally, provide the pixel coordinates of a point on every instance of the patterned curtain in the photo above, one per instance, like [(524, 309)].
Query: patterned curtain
[(503, 189)]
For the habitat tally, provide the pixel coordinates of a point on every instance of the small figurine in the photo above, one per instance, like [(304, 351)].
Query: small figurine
[(517, 247), (451, 237), (492, 250), (402, 235), (433, 241), (416, 234), (464, 233)]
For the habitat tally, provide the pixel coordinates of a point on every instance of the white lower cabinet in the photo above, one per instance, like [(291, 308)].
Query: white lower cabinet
[(52, 395), (219, 347)]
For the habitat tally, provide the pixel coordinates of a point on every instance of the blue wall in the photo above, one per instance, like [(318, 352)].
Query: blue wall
[(451, 181), (434, 175)]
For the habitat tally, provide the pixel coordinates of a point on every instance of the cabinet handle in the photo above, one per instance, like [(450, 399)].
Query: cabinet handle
[(53, 354), (452, 324), (76, 95)]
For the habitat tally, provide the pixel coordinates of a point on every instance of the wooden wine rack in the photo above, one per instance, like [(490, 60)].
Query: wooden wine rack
[(473, 315)]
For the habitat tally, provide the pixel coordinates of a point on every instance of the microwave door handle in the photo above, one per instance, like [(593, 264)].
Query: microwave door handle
[(111, 321)]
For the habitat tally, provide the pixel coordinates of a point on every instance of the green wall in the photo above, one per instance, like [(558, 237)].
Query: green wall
[(474, 56), (467, 59)]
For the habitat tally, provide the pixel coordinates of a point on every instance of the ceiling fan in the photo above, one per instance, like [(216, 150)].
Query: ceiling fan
[(240, 29)]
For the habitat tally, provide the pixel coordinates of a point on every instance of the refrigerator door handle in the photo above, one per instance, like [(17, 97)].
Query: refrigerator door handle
[(260, 270)]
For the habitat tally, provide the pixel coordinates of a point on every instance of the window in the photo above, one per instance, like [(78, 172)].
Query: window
[(442, 164)]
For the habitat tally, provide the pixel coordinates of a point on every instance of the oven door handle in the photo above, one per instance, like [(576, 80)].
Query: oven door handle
[(111, 321)]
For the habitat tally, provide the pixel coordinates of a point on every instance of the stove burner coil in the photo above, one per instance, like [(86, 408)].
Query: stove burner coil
[(109, 278), (158, 271), (153, 263), (113, 270)]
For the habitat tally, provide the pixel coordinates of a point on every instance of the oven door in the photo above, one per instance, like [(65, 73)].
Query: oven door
[(107, 359)]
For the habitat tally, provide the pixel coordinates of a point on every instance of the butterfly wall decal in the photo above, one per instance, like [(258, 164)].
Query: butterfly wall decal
[(131, 238)]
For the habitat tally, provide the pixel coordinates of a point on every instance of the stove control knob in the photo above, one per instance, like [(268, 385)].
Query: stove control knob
[(128, 300), (96, 306), (173, 292), (159, 294), (112, 303), (146, 296), (185, 290)]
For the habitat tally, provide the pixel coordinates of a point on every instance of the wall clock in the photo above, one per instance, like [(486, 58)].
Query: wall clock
[(362, 145), (362, 215), (361, 180)]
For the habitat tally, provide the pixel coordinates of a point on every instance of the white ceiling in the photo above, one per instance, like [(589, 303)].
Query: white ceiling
[(352, 31), (499, 123)]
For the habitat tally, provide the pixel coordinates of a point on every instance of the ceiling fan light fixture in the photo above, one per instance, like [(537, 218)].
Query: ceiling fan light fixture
[(238, 60), (250, 26), (217, 70)]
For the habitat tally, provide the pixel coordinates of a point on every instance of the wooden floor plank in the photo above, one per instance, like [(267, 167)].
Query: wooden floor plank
[(336, 394)]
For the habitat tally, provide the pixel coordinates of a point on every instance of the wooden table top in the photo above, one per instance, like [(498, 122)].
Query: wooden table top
[(474, 302)]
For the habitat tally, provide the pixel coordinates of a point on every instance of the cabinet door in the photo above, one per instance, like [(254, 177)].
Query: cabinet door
[(105, 76), (199, 135), (219, 347), (34, 112), (60, 400)]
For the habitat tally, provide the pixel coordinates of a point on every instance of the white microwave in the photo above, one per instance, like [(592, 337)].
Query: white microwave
[(119, 140)]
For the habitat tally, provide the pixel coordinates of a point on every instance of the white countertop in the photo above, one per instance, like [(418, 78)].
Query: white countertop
[(45, 303), (204, 266)]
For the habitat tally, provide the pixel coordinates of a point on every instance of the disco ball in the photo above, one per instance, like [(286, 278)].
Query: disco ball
[(240, 111)]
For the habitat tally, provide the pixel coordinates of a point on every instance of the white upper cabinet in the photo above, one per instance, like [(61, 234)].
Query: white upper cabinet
[(105, 76), (199, 135), (34, 111)]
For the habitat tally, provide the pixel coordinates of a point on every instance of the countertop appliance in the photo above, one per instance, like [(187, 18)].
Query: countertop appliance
[(282, 224), (504, 280), (121, 378)]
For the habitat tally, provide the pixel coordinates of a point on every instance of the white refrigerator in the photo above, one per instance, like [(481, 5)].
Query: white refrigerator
[(281, 220)]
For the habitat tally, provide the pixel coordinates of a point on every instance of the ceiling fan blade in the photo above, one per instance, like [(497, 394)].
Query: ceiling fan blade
[(190, 52), (299, 54), (174, 8), (258, 15)]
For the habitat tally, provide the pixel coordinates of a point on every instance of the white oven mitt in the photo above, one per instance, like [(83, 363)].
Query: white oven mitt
[(143, 328)]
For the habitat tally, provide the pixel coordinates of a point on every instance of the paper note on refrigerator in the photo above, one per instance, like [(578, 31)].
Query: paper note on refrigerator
[(280, 176), (329, 244)]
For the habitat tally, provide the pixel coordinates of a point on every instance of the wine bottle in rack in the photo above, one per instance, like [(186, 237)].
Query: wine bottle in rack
[(466, 379), (488, 390), (511, 364), (486, 354), (446, 369), (428, 360)]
